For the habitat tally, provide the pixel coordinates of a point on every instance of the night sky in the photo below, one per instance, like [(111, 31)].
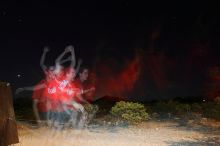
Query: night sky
[(165, 50)]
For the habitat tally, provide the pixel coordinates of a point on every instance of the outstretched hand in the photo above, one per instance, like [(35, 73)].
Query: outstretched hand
[(19, 90)]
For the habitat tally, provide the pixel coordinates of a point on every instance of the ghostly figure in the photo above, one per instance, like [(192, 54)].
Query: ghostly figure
[(40, 102)]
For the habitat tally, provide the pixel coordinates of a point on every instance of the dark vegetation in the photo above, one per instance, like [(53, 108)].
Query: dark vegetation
[(135, 112)]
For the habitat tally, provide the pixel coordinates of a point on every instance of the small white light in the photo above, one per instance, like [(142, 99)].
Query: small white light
[(18, 75), (203, 100), (8, 84)]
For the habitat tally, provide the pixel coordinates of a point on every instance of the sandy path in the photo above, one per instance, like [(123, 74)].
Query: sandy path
[(148, 133)]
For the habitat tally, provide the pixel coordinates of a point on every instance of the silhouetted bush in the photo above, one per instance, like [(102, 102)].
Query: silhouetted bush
[(90, 108), (217, 100), (196, 107), (161, 107), (182, 108), (211, 110)]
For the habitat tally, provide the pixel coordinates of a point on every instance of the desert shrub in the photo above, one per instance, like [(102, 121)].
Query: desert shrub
[(196, 107), (211, 110), (148, 109), (182, 108), (217, 100), (91, 111), (171, 106), (23, 109), (165, 107), (129, 111), (90, 108), (160, 107)]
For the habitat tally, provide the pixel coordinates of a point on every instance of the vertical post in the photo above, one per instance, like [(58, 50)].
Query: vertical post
[(8, 127)]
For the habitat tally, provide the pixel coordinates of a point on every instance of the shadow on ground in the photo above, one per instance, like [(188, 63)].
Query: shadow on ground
[(207, 127), (205, 142)]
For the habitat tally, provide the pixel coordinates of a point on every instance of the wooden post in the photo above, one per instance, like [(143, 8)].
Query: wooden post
[(8, 127)]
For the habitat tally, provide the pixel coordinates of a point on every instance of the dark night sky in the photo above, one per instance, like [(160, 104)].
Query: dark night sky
[(109, 30)]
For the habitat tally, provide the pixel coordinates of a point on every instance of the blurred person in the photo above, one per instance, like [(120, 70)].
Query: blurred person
[(41, 107), (80, 81)]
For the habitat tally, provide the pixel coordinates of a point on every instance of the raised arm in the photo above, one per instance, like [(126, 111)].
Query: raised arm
[(30, 88), (58, 60), (78, 65), (73, 57), (65, 60), (43, 66)]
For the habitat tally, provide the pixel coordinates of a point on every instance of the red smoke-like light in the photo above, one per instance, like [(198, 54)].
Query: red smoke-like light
[(116, 83)]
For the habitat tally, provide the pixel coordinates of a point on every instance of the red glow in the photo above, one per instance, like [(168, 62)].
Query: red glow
[(56, 92), (116, 83), (212, 85), (158, 65)]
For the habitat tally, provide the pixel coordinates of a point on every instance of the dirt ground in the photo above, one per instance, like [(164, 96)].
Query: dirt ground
[(153, 132)]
